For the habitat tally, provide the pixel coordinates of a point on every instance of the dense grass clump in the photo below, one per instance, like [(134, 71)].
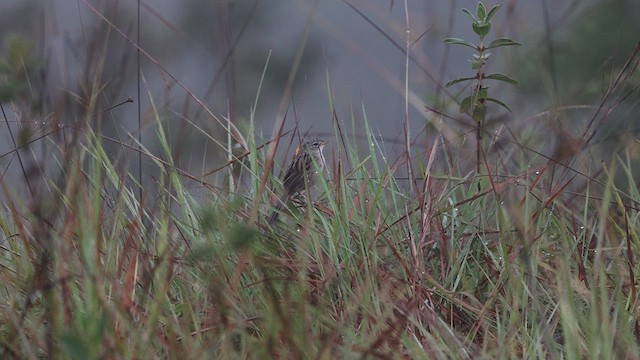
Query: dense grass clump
[(376, 267)]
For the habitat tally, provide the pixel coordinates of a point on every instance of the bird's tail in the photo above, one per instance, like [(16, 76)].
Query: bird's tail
[(280, 205)]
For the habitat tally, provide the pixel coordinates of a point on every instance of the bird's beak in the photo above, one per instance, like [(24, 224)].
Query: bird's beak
[(322, 143)]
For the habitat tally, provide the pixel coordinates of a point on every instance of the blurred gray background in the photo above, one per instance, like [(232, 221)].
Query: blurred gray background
[(354, 51)]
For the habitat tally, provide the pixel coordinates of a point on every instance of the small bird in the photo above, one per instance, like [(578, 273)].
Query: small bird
[(301, 173)]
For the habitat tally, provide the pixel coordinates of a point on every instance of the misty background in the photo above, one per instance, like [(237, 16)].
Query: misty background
[(353, 66)]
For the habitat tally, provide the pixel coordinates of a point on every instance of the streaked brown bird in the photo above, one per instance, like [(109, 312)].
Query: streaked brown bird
[(307, 163)]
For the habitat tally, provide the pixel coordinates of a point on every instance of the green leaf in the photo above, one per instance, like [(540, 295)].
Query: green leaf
[(482, 93), (493, 11), (481, 29), (456, 41), (477, 64), (502, 77), (499, 103), (459, 80), (481, 11), (465, 104), (466, 11), (502, 42), (479, 113)]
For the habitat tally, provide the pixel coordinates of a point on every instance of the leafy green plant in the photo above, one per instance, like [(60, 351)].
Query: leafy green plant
[(476, 103)]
